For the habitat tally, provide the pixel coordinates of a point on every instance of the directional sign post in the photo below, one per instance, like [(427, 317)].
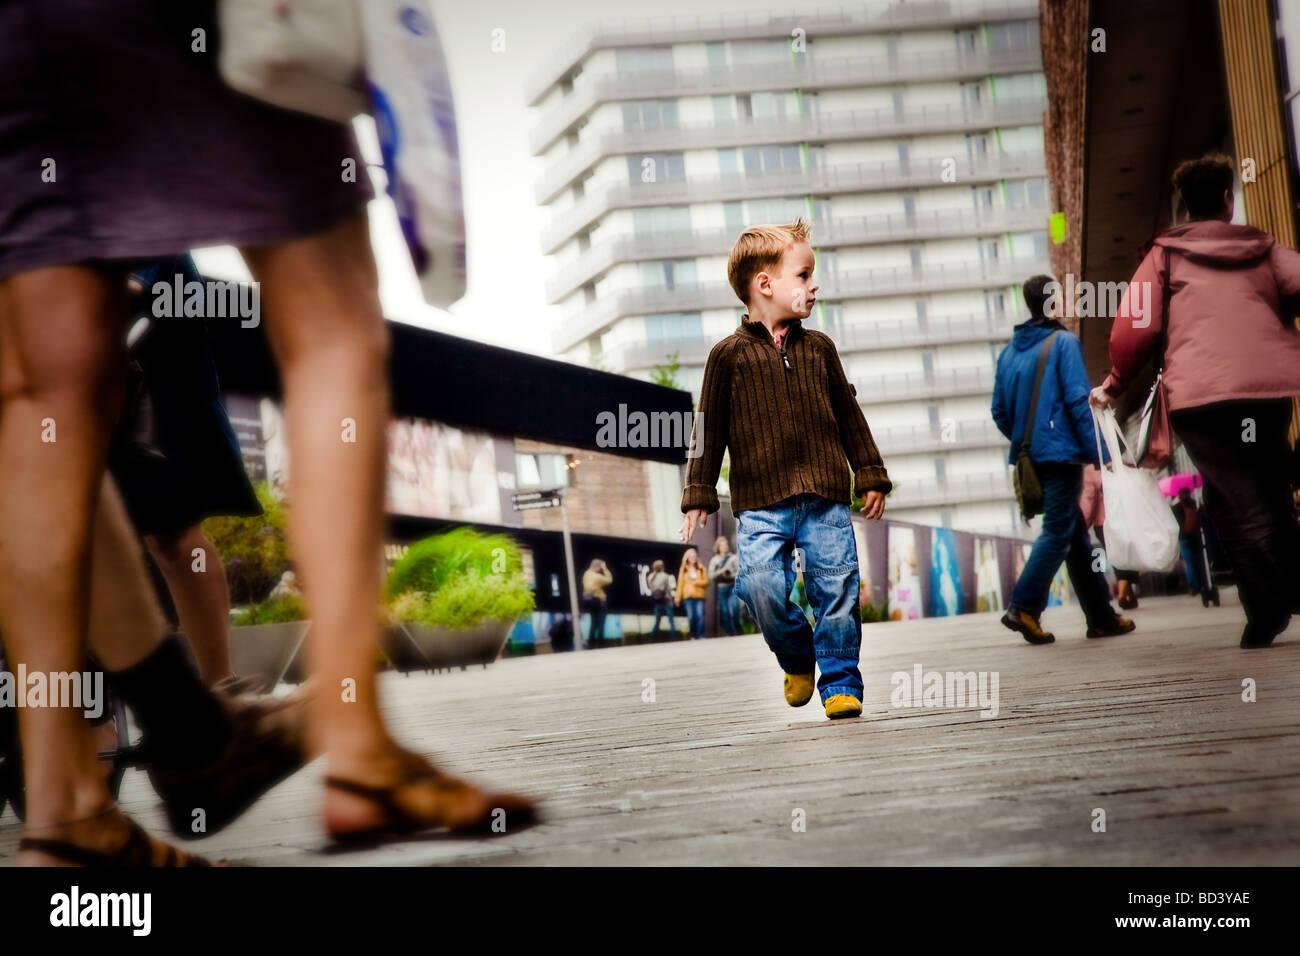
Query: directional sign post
[(554, 498)]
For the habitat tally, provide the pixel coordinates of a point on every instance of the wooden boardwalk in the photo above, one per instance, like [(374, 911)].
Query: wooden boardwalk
[(716, 769)]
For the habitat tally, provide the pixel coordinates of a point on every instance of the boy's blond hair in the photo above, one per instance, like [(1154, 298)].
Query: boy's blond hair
[(758, 249)]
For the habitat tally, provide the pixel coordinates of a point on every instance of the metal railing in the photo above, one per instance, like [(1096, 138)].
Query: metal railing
[(839, 125), (849, 230), (864, 283), (789, 73), (910, 439), (815, 21), (854, 177), (902, 386), (919, 493)]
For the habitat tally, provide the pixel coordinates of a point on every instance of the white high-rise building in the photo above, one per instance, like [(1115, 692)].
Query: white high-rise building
[(908, 134)]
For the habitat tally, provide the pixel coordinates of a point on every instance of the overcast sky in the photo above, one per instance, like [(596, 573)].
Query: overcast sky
[(505, 302)]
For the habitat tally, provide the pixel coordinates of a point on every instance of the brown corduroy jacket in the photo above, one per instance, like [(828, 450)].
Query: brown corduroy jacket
[(790, 417)]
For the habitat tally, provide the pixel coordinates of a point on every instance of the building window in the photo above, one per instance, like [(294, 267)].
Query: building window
[(654, 59), (771, 159), (722, 109), (729, 162), (541, 470), (649, 114), (717, 53), (734, 215), (1008, 36), (656, 219), (656, 168), (668, 274), (1040, 245), (673, 325)]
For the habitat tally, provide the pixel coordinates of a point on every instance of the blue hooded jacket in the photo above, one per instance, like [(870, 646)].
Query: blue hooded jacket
[(1063, 429)]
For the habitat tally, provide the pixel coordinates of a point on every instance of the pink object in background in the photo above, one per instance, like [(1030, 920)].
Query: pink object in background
[(1171, 486)]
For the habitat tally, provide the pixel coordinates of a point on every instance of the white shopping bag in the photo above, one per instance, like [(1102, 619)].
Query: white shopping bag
[(1141, 531), (301, 55), (411, 101)]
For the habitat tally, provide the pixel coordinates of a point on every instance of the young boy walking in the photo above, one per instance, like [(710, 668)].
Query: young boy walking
[(776, 394)]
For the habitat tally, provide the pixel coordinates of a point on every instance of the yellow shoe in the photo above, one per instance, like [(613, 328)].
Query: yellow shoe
[(843, 705), (799, 689)]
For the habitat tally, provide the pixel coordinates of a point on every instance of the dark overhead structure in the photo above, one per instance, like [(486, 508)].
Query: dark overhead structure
[(460, 382)]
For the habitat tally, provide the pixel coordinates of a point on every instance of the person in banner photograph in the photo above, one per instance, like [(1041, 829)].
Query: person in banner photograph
[(904, 578), (988, 577), (945, 576)]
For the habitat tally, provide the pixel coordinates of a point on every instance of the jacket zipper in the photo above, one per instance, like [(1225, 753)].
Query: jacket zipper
[(789, 402)]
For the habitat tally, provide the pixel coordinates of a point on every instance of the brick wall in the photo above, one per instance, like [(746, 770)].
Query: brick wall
[(608, 494)]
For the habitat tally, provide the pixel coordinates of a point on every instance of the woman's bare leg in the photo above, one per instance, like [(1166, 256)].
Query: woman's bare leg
[(202, 598), (60, 361), (320, 302)]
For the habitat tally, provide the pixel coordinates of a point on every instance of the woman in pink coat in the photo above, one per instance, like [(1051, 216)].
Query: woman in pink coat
[(1218, 298)]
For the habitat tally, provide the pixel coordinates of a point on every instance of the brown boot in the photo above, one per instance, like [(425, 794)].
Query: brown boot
[(266, 747), (1027, 626)]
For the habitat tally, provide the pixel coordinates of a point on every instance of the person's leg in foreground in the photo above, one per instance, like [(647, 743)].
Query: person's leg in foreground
[(1247, 497), (61, 358), (320, 304), (825, 536), (765, 539), (202, 598), (203, 751)]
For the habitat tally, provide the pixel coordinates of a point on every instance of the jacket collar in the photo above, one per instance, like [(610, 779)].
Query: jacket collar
[(759, 330)]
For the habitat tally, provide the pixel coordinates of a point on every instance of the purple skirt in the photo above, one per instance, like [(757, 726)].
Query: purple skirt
[(118, 140)]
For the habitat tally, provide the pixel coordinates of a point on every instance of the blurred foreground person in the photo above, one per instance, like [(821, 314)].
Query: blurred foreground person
[(93, 183), (1218, 305)]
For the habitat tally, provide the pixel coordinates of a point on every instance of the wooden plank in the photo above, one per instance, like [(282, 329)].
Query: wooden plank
[(1150, 727)]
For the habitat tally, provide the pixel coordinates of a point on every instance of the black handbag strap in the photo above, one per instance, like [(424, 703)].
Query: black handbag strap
[(1044, 351)]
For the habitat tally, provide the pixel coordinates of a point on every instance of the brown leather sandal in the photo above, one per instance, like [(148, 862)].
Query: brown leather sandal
[(464, 809), (136, 852)]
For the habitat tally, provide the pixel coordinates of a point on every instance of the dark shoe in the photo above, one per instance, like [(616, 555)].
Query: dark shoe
[(460, 808), (1256, 636), (1027, 626), (266, 747), (1127, 603), (1116, 626), (139, 850)]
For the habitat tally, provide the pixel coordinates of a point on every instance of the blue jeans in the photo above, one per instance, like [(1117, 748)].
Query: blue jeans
[(1190, 549), (695, 615), (728, 606), (1063, 538), (823, 531), (662, 608)]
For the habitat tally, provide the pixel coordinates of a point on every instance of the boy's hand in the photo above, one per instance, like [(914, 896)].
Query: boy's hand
[(873, 505), (694, 518)]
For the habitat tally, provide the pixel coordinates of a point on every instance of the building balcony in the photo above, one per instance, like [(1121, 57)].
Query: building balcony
[(830, 233), (959, 489), (789, 73), (901, 333), (827, 180), (833, 126), (916, 439), (934, 330), (874, 17), (938, 383), (859, 284)]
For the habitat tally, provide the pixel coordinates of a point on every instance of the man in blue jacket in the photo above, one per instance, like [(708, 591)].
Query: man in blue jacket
[(1063, 442)]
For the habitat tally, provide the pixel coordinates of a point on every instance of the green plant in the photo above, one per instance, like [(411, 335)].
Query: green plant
[(459, 579), (254, 549), (666, 374), (279, 611), (871, 614)]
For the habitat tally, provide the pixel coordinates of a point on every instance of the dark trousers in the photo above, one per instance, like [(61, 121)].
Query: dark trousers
[(1063, 538), (1248, 497), (596, 608)]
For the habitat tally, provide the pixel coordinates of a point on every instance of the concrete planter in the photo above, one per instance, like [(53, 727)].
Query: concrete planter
[(273, 651), (415, 647)]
